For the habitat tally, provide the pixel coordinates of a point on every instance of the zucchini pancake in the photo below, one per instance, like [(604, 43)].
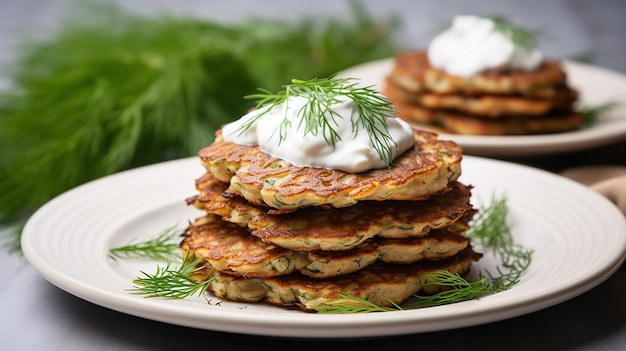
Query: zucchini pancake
[(292, 232)]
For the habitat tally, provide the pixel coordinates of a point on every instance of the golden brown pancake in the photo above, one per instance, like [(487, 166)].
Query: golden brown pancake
[(412, 72), (330, 229), (459, 123), (416, 114), (472, 125), (230, 249), (493, 106), (380, 283), (425, 169)]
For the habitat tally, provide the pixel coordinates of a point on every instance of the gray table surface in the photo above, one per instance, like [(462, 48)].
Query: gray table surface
[(36, 315)]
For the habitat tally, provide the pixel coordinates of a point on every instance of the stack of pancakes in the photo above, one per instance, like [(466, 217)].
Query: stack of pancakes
[(510, 102), (304, 236)]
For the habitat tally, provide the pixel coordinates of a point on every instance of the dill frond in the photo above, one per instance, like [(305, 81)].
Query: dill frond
[(490, 228), (318, 117), (457, 290), (355, 305), (173, 283), (164, 246), (591, 114)]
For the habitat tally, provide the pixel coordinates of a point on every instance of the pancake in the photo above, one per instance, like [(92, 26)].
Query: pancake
[(459, 123), (230, 249), (380, 283), (414, 113), (514, 125), (425, 169), (493, 106), (329, 229), (412, 72)]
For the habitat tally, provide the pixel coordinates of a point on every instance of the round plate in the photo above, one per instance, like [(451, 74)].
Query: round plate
[(578, 236), (595, 85)]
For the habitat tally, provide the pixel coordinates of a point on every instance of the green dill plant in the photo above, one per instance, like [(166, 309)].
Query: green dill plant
[(163, 246), (356, 305), (173, 283), (110, 90), (591, 114)]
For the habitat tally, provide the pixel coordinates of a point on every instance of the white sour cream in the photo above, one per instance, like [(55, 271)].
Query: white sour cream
[(352, 153), (472, 45)]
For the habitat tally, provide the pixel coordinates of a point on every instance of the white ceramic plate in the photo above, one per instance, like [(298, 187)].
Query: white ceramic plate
[(595, 85), (578, 236)]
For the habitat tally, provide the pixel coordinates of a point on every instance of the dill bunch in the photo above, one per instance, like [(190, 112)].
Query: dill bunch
[(111, 90)]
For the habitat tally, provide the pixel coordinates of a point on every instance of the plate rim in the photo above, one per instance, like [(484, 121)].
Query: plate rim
[(327, 326)]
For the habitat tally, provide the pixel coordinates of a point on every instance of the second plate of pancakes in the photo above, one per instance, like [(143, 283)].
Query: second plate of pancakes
[(595, 85)]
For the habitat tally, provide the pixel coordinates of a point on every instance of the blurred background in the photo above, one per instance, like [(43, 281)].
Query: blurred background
[(570, 28)]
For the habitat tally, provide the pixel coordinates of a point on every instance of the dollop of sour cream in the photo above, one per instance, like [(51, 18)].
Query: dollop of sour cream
[(353, 153), (472, 45)]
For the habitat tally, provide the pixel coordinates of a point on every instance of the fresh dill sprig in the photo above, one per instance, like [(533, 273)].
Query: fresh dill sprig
[(458, 289), (356, 305), (174, 283), (520, 36), (317, 116), (164, 246), (515, 260), (590, 114), (490, 228)]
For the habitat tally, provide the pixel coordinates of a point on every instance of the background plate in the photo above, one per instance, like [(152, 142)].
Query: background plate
[(595, 85), (578, 236)]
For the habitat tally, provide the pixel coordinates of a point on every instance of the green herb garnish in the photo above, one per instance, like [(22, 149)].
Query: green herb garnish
[(164, 246), (591, 114), (173, 283), (359, 306), (318, 117), (168, 281)]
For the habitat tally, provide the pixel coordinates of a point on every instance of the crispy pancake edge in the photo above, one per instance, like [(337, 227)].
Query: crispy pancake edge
[(423, 170)]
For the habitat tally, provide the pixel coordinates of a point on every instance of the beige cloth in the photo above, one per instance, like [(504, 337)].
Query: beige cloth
[(609, 181)]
